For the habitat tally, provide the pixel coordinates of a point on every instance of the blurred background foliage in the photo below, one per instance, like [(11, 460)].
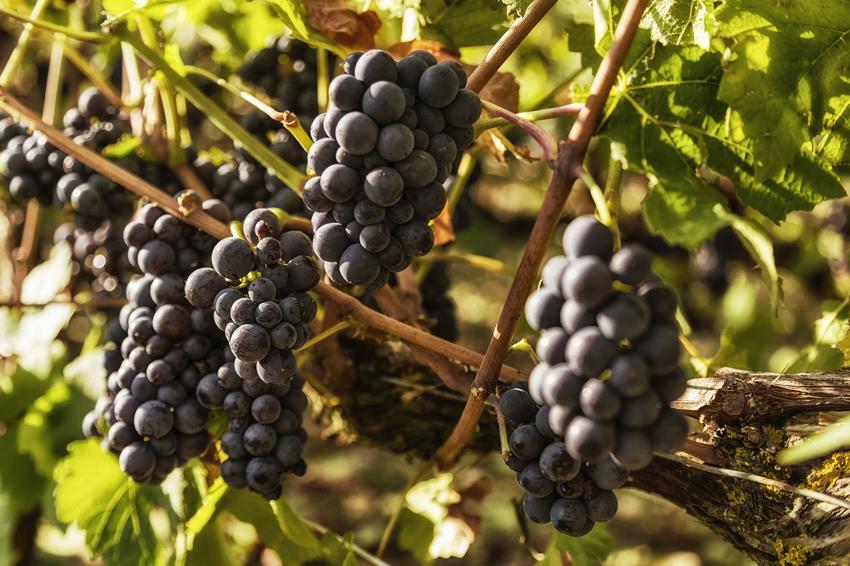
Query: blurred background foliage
[(50, 369)]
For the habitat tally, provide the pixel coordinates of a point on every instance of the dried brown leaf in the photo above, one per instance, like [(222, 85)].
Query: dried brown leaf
[(336, 19)]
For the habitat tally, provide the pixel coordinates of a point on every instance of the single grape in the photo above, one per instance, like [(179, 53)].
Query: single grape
[(586, 236)]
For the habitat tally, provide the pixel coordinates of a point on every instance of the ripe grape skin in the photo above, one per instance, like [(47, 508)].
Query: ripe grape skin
[(137, 460), (670, 386), (345, 92), (250, 342), (209, 392), (416, 237), (259, 439), (561, 386), (552, 345), (536, 380), (632, 264), (417, 170), (633, 450), (660, 348), (288, 450), (410, 70), (232, 258), (438, 86), (574, 316), (629, 375), (533, 482), (560, 418), (395, 142), (261, 289), (669, 431), (429, 201), (542, 310), (589, 352), (190, 417), (598, 400), (526, 442), (602, 506), (541, 422), (661, 301), (357, 133), (202, 286), (384, 186), (589, 440), (339, 183), (557, 465), (359, 266), (607, 474), (586, 281), (322, 155), (464, 110), (384, 102), (553, 271), (261, 218), (375, 65), (624, 318), (568, 516), (153, 418), (640, 411), (517, 405), (586, 236), (537, 509)]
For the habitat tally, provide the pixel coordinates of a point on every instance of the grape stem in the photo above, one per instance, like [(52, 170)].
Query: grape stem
[(82, 65), (288, 119), (86, 36), (531, 116), (472, 260), (787, 487), (571, 153), (598, 196), (325, 334), (17, 55), (22, 254), (124, 178), (507, 44), (53, 89), (285, 171), (538, 134)]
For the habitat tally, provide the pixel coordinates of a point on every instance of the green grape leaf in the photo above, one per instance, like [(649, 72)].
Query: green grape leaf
[(50, 424), (213, 547), (681, 22), (788, 78), (292, 525), (834, 437), (516, 7), (19, 479), (760, 247), (830, 333), (93, 492), (415, 535), (50, 278), (19, 390), (7, 526), (251, 508), (205, 512), (668, 123), (589, 550), (463, 23)]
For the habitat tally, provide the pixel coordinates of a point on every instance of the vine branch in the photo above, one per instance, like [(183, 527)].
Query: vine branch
[(570, 154), (507, 44)]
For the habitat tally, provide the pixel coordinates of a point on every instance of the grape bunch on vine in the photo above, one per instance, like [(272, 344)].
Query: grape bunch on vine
[(463, 281)]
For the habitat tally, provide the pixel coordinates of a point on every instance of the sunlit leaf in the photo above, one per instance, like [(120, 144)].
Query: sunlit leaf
[(833, 437), (93, 493)]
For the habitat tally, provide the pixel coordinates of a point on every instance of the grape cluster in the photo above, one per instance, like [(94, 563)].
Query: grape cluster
[(264, 439), (380, 155), (161, 246), (558, 487), (437, 304), (608, 349), (243, 184), (100, 253), (150, 416), (286, 71), (268, 318)]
